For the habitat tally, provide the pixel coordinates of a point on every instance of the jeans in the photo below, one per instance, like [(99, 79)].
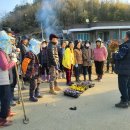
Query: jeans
[(124, 87), (78, 70), (5, 94)]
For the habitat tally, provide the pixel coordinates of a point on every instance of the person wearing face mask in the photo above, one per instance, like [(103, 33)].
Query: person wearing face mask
[(53, 63), (78, 60), (100, 56), (122, 68), (87, 60), (43, 61)]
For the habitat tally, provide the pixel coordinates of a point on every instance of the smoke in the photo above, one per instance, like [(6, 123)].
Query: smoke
[(47, 16)]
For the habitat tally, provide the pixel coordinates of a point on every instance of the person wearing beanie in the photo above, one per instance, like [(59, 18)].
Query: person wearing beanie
[(68, 62), (53, 63), (87, 60), (122, 68), (78, 60), (100, 56)]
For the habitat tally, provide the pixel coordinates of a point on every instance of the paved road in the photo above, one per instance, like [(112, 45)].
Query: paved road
[(95, 111)]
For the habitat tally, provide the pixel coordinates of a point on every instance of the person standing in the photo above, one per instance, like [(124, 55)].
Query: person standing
[(32, 72), (78, 60), (43, 62), (61, 52), (100, 56), (122, 68), (53, 63), (68, 62), (87, 60), (5, 90)]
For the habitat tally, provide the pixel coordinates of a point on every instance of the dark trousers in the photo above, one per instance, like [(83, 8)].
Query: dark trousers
[(14, 83), (87, 70), (5, 94), (45, 69), (34, 87), (99, 67), (68, 74), (124, 87), (108, 66), (78, 70)]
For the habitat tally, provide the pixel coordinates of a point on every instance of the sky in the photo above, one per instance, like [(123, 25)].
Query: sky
[(8, 5)]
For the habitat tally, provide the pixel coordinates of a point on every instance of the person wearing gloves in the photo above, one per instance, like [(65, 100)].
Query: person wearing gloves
[(87, 60), (5, 65), (53, 63), (78, 60), (122, 68), (68, 62), (100, 56), (32, 72)]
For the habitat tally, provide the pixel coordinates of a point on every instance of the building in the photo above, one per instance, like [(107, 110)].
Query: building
[(105, 30)]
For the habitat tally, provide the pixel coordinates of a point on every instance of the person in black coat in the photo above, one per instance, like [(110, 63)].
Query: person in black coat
[(122, 68)]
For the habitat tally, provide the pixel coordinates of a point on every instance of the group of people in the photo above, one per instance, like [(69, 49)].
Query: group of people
[(42, 61)]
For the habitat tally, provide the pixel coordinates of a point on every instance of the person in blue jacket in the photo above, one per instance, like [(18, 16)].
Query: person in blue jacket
[(122, 68)]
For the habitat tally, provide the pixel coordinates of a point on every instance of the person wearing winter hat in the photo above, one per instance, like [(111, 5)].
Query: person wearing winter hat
[(53, 63), (78, 60), (100, 55), (122, 68), (87, 60), (5, 65), (32, 72)]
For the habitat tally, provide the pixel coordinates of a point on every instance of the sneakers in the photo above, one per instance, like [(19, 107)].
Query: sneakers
[(33, 99), (122, 105), (57, 88), (52, 92)]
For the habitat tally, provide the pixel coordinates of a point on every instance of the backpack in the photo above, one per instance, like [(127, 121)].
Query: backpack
[(25, 64)]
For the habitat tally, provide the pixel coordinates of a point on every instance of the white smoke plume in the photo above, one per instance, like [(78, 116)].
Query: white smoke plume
[(46, 16)]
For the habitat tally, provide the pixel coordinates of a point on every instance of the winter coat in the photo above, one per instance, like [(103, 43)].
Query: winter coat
[(33, 66), (87, 56), (68, 58), (100, 54), (61, 53), (78, 56), (122, 59), (5, 66), (52, 57), (43, 56)]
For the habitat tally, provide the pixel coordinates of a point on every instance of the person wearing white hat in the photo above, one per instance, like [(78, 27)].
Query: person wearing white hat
[(33, 69), (5, 64), (100, 55)]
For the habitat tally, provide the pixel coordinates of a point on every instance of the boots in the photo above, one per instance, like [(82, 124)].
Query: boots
[(56, 88), (32, 96), (52, 91), (37, 93), (84, 77), (77, 79)]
